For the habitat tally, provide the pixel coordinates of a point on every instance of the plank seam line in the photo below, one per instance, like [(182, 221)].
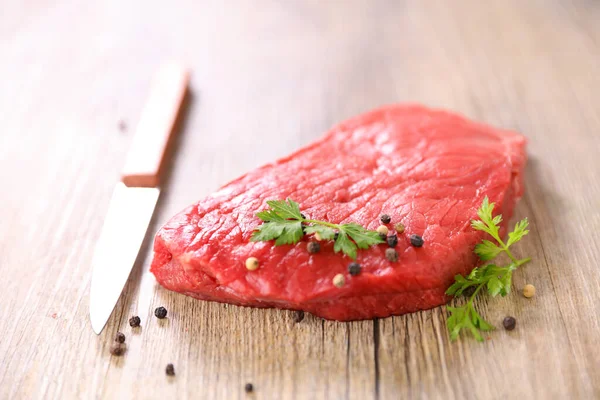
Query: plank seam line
[(347, 361), (376, 354), (407, 354), (560, 311)]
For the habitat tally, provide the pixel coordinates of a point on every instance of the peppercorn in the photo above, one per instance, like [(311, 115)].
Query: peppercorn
[(529, 291), (354, 268), (313, 247), (248, 387), (468, 292), (416, 240), (299, 316), (335, 235), (339, 280), (386, 219), (391, 255), (170, 370), (160, 312), (303, 216), (119, 337), (252, 263), (392, 240), (117, 349), (509, 323), (135, 321), (383, 236), (382, 230), (399, 227)]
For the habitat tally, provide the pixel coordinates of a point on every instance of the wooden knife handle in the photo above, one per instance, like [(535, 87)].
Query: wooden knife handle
[(156, 127)]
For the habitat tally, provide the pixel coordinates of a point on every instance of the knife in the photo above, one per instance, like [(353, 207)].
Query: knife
[(135, 196)]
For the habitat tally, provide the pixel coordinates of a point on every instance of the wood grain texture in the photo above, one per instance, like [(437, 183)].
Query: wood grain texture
[(268, 77)]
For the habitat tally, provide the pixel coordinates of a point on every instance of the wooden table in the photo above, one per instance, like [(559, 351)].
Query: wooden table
[(268, 77)]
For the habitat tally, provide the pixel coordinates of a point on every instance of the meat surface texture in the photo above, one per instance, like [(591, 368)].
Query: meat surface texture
[(427, 169)]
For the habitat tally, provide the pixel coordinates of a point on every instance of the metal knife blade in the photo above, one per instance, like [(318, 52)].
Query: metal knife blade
[(134, 198), (124, 229)]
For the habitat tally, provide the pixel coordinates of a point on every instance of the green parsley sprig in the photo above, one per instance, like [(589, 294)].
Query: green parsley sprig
[(284, 223), (496, 279)]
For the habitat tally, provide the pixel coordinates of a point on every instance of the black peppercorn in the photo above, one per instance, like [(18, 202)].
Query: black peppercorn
[(386, 219), (160, 312), (354, 268), (299, 316), (313, 247), (170, 370), (509, 323), (303, 216), (335, 236), (117, 349), (248, 387), (383, 236), (416, 240), (391, 255), (392, 240), (135, 321), (119, 337)]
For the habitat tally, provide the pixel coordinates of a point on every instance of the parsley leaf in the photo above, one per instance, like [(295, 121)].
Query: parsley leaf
[(466, 317), (268, 232), (506, 281), (325, 232), (268, 216), (284, 223), (460, 285), (344, 244), (494, 286), (362, 237), (519, 231), (495, 279), (292, 233), (487, 250), (286, 210)]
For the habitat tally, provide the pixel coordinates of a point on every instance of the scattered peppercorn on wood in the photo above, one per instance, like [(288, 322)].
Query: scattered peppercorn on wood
[(529, 291)]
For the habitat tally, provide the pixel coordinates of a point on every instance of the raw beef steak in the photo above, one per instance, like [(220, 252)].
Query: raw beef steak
[(427, 169)]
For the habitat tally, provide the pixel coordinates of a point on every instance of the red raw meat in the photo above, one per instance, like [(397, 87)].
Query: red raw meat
[(426, 168)]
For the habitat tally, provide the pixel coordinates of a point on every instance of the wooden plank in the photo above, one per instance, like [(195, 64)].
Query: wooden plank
[(551, 353), (268, 77)]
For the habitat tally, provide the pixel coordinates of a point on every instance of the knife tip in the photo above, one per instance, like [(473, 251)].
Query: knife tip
[(97, 326)]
